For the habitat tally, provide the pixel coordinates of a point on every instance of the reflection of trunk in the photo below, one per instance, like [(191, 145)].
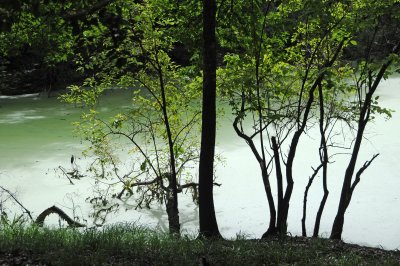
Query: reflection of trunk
[(348, 187)]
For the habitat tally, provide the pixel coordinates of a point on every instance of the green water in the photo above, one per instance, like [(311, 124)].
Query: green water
[(34, 128), (36, 136)]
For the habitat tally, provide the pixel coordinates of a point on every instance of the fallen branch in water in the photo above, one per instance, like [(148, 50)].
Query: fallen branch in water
[(54, 209), (74, 174)]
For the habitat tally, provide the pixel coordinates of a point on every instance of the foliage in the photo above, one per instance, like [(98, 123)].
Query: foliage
[(283, 67), (289, 55), (35, 27), (158, 126)]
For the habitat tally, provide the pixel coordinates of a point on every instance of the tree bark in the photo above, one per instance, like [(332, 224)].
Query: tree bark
[(208, 221), (173, 214)]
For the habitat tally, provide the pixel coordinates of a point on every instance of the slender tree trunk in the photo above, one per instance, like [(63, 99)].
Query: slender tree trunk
[(264, 174), (346, 194), (279, 179), (321, 206), (173, 214), (282, 225), (172, 176), (309, 184), (347, 189), (324, 161), (208, 221), (272, 211)]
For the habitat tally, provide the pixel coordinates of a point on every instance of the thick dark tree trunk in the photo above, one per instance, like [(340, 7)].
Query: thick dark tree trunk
[(208, 221)]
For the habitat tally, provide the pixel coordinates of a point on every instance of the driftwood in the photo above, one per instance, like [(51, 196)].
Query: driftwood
[(54, 209)]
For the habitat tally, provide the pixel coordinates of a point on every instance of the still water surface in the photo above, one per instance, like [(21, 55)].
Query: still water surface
[(36, 136)]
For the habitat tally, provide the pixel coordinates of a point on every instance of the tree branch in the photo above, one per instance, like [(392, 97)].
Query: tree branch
[(17, 201), (54, 209), (360, 171)]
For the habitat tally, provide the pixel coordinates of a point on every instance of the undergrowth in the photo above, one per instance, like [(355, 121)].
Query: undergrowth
[(135, 245)]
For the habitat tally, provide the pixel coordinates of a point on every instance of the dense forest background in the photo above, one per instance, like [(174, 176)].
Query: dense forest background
[(41, 40)]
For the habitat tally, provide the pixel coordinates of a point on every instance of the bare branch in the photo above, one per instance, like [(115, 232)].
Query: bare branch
[(17, 201), (310, 181), (360, 171)]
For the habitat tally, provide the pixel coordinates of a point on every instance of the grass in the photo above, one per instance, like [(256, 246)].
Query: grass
[(133, 245)]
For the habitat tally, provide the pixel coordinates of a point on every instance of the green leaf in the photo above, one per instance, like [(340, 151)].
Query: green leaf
[(143, 166)]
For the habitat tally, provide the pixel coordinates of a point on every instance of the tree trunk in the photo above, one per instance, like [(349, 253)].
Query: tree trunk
[(278, 171), (173, 214), (208, 221), (272, 211), (172, 187), (264, 174), (324, 161), (347, 191)]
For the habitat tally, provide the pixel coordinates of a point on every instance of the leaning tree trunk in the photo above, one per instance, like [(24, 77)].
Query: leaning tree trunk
[(208, 221), (348, 187), (345, 196)]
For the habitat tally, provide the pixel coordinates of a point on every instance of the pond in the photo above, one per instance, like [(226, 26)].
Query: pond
[(36, 137)]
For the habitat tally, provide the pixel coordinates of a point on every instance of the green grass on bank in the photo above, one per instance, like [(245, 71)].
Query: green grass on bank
[(132, 245)]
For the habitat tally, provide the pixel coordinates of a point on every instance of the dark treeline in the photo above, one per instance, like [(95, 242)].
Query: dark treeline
[(40, 63)]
